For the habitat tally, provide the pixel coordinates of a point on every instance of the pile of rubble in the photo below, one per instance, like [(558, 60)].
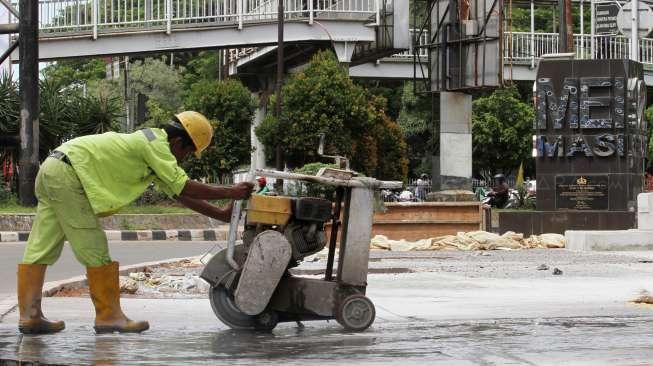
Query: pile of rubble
[(167, 280), (475, 240), (644, 297)]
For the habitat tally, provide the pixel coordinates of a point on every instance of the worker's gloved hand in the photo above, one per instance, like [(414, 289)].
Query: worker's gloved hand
[(242, 190)]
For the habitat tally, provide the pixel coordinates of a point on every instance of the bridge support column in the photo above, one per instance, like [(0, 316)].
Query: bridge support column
[(455, 141), (344, 51), (258, 150)]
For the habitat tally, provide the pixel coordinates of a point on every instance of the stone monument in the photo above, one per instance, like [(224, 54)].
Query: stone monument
[(590, 146)]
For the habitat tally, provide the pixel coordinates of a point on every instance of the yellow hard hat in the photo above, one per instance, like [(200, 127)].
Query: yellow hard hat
[(199, 129)]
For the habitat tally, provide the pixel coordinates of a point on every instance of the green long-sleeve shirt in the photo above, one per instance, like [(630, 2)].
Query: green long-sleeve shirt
[(116, 168)]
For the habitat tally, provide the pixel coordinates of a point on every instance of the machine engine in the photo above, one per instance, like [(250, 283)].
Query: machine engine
[(300, 220)]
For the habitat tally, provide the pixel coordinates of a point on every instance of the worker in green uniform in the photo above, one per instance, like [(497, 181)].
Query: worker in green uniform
[(94, 176)]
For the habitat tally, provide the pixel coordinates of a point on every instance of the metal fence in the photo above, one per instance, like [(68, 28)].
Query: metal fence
[(422, 39), (97, 16), (526, 47)]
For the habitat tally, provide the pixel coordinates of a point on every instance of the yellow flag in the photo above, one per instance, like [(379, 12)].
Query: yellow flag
[(520, 176)]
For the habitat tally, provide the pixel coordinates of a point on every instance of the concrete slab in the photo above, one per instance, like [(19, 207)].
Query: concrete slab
[(609, 240), (422, 318), (399, 297)]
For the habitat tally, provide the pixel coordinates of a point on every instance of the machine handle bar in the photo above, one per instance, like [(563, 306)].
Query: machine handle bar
[(353, 183)]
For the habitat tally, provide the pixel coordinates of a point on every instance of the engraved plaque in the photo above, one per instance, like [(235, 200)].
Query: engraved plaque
[(582, 192)]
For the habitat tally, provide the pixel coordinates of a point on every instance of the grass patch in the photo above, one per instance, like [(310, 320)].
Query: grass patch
[(12, 207)]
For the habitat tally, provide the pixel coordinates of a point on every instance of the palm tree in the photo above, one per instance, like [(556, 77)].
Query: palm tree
[(96, 113), (55, 123), (9, 112), (9, 105)]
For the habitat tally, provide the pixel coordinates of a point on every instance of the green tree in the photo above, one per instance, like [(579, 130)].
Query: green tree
[(320, 99), (391, 147), (230, 107), (543, 16), (204, 66), (64, 113), (56, 118), (9, 114), (323, 99), (78, 71), (390, 90), (501, 131), (9, 105), (415, 120), (158, 81), (648, 114), (96, 113)]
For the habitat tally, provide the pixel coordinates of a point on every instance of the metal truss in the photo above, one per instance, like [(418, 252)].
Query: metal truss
[(423, 67)]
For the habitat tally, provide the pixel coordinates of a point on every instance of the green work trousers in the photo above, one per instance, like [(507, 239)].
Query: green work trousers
[(64, 213)]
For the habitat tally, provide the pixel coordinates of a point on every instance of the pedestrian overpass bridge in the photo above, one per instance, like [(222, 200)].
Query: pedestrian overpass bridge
[(360, 31), (521, 53)]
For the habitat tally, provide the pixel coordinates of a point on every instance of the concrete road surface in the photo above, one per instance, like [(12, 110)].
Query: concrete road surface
[(493, 308), (125, 252)]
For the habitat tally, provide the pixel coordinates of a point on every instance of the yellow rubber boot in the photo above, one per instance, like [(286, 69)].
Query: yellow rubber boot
[(30, 288), (104, 285)]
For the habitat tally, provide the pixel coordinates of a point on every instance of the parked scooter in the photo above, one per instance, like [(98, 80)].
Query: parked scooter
[(513, 199), (389, 196)]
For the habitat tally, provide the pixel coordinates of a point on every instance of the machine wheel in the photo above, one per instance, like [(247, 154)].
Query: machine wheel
[(222, 303), (356, 313), (266, 320)]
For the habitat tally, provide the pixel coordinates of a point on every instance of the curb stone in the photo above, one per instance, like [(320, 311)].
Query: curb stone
[(138, 235)]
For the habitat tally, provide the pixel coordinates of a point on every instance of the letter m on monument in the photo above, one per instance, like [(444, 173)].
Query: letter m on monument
[(555, 109)]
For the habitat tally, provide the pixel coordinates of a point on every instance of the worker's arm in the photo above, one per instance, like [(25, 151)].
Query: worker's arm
[(207, 209), (201, 191), (172, 179)]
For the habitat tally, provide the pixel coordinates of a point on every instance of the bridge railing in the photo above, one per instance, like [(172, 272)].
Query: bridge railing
[(421, 38), (68, 17), (527, 48), (517, 47)]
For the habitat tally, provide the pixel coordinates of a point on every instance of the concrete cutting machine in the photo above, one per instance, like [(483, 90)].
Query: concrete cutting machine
[(251, 286)]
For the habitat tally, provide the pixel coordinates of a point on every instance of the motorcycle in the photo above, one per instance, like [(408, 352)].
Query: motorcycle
[(389, 196), (512, 202)]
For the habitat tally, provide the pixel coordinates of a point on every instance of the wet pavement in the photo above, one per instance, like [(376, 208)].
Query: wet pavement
[(549, 341), (448, 312)]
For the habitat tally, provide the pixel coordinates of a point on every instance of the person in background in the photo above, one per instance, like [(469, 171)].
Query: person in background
[(262, 185), (406, 195), (500, 192), (422, 187)]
